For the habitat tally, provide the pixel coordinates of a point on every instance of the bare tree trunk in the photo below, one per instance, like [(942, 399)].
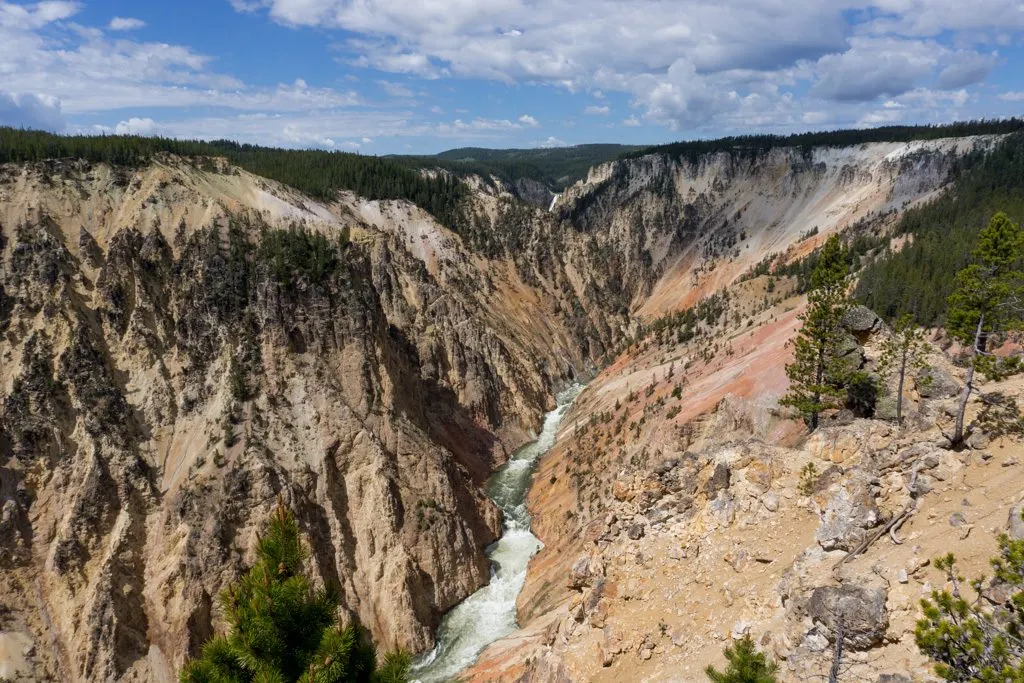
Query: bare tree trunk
[(899, 390), (979, 347), (837, 654)]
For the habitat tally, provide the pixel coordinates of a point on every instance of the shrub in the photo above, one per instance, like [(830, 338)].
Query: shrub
[(746, 665), (968, 639), (282, 629)]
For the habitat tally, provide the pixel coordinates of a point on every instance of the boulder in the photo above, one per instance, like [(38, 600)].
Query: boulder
[(599, 614), (723, 509), (651, 490), (719, 480), (849, 356), (622, 490), (1015, 524), (885, 407), (759, 473), (862, 609), (861, 320), (849, 511), (978, 440), (667, 466), (579, 575), (934, 382), (739, 630)]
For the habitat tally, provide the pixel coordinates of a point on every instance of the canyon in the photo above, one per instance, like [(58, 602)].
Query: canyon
[(183, 343)]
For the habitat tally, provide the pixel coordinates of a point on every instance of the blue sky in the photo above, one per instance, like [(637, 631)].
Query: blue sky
[(392, 76)]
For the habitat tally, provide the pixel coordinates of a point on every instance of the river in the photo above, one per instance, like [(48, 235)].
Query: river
[(490, 613)]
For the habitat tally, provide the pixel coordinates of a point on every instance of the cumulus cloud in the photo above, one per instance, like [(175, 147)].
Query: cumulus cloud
[(683, 62), (967, 68), (594, 110), (873, 68), (33, 16), (136, 126), (549, 142), (125, 24), (91, 73), (1012, 96), (28, 110), (528, 120)]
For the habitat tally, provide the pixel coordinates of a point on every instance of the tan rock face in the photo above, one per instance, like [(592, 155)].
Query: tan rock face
[(164, 381)]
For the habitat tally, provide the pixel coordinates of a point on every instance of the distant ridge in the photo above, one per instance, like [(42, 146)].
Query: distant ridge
[(555, 167), (754, 144)]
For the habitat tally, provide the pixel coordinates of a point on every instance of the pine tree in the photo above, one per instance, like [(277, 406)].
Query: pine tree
[(746, 665), (987, 300), (282, 630), (815, 374), (968, 640), (906, 348)]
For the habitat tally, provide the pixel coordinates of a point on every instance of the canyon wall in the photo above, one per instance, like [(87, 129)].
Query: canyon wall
[(182, 344)]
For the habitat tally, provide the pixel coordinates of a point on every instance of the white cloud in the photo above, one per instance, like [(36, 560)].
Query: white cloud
[(396, 89), (385, 59), (337, 129), (90, 73), (480, 125), (295, 136), (966, 68), (691, 65), (125, 24), (29, 110), (136, 126), (549, 142), (33, 16), (874, 67), (683, 62), (929, 18), (247, 5)]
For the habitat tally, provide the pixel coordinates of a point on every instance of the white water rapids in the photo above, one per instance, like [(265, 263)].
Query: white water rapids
[(490, 613)]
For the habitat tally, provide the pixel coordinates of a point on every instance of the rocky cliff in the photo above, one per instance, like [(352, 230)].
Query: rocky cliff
[(183, 343), (690, 510), (682, 508)]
